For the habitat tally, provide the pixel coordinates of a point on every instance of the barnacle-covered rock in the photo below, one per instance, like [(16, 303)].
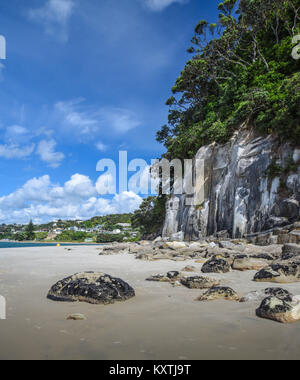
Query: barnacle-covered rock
[(216, 265), (283, 273), (95, 288), (198, 282), (279, 310), (259, 295), (217, 293)]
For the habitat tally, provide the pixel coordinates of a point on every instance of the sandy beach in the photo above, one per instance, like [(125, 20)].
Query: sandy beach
[(161, 323)]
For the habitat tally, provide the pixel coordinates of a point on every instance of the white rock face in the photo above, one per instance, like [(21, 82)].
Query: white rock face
[(238, 194)]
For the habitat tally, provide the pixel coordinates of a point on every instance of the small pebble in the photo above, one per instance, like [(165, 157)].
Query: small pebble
[(76, 317)]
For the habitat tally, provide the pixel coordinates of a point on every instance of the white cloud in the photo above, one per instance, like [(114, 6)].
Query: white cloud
[(54, 15), (35, 190), (16, 134), (46, 151), (80, 186), (75, 116), (127, 201), (159, 5), (120, 119), (106, 184), (20, 143), (41, 200), (14, 151), (87, 122), (101, 147)]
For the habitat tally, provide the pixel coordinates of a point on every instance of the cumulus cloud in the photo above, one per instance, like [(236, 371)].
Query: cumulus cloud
[(106, 184), (54, 16), (41, 200), (46, 151), (80, 186), (19, 143), (159, 5)]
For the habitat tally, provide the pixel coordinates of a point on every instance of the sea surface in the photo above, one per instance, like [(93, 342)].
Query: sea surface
[(5, 244)]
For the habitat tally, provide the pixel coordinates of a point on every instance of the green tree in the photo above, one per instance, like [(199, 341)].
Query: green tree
[(109, 238), (29, 231), (241, 71), (20, 236), (149, 218)]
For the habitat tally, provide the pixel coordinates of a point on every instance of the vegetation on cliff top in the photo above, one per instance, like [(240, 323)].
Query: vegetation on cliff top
[(241, 70)]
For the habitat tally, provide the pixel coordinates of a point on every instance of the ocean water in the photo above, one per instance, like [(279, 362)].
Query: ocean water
[(4, 244)]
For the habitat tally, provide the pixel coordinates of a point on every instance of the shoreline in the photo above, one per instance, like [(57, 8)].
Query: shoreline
[(50, 242)]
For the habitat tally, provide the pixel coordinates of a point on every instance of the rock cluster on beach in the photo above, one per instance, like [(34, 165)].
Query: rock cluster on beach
[(95, 288), (270, 263)]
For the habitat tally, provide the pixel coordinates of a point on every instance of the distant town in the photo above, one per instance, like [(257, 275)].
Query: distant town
[(102, 229)]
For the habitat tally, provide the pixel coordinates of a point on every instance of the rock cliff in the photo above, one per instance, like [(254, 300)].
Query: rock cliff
[(252, 184)]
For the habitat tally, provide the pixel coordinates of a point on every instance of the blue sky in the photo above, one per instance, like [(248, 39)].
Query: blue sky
[(84, 79)]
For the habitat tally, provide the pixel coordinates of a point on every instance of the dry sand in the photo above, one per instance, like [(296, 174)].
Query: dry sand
[(160, 323)]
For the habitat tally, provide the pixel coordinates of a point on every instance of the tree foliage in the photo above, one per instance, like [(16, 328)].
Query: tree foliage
[(150, 216), (29, 232), (241, 71), (110, 238), (69, 236)]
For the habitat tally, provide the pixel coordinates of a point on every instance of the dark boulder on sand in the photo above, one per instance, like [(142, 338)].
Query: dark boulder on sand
[(91, 287), (279, 310), (290, 251), (259, 295), (282, 272), (216, 265), (198, 282), (219, 293)]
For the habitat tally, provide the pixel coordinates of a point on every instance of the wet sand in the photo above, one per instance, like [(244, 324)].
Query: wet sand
[(160, 323)]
